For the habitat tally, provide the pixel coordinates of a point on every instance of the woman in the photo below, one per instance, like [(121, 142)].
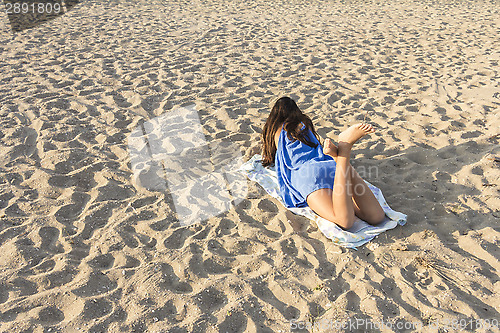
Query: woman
[(309, 175)]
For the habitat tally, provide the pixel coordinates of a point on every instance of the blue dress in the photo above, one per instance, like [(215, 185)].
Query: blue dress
[(302, 169)]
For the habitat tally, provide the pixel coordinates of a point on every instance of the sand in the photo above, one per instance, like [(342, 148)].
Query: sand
[(86, 248)]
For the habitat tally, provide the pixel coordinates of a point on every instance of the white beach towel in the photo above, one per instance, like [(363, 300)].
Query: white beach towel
[(359, 234)]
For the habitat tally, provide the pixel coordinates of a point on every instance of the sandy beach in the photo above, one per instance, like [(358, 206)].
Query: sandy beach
[(86, 246)]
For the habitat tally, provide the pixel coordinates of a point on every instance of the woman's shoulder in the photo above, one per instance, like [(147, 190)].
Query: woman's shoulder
[(281, 128), (277, 135)]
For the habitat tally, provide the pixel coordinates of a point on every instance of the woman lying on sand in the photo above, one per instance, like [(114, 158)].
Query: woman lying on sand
[(309, 175)]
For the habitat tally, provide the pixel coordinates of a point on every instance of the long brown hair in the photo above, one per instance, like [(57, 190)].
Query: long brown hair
[(286, 111)]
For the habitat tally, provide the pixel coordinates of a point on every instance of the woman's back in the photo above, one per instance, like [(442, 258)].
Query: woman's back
[(301, 169)]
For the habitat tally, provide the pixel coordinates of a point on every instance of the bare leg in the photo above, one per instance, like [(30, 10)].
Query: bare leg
[(366, 206), (338, 205)]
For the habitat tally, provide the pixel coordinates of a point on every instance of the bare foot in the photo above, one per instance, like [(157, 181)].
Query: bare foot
[(354, 133), (330, 149)]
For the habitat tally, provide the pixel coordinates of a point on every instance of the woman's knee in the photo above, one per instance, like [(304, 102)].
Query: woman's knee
[(345, 222), (376, 217)]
